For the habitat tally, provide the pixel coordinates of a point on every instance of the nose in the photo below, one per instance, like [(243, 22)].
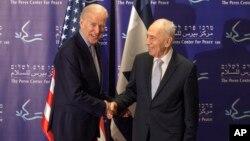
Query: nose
[(97, 29)]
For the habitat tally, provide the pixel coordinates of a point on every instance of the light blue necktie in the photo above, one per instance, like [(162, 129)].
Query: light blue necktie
[(93, 53), (156, 77)]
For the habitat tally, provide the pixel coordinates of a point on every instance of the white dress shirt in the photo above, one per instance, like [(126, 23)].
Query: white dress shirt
[(166, 59)]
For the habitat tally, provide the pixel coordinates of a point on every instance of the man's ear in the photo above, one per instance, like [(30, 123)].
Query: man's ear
[(81, 22), (168, 42)]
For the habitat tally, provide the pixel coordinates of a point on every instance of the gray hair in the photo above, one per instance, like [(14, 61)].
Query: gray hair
[(93, 8), (168, 26)]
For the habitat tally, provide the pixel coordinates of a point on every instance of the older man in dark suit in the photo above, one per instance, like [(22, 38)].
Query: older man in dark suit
[(164, 85), (77, 105)]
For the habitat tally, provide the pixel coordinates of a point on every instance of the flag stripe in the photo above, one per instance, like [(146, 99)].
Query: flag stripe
[(47, 110), (116, 133), (47, 133), (52, 82), (50, 98), (143, 9), (102, 130)]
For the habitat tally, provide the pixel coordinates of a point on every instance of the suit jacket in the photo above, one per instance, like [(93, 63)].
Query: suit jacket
[(172, 115), (77, 105)]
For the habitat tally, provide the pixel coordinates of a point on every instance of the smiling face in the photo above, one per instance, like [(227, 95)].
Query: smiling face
[(92, 24), (158, 41)]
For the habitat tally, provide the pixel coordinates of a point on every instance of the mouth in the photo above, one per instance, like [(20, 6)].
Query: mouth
[(150, 48), (93, 36)]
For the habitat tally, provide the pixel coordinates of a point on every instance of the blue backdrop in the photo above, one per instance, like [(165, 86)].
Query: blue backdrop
[(213, 34)]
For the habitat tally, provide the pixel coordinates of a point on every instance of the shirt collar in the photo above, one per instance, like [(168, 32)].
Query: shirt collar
[(166, 58), (84, 38)]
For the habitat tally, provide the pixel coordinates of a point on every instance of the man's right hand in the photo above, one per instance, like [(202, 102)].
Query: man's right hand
[(111, 109)]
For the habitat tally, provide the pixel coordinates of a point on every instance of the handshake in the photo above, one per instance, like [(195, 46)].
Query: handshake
[(111, 110)]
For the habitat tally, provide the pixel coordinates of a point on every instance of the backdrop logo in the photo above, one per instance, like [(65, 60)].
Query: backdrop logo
[(234, 35), (25, 115), (234, 113), (124, 35), (25, 36), (205, 112), (0, 30), (1, 112), (203, 75), (196, 1)]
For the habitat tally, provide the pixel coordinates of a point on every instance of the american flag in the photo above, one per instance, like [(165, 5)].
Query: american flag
[(71, 19), (70, 26)]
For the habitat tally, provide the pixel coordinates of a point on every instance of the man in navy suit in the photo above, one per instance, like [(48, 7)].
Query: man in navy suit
[(168, 112), (77, 104)]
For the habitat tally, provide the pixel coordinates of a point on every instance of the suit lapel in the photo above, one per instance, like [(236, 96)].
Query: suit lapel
[(98, 53), (85, 51), (170, 70), (148, 71)]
